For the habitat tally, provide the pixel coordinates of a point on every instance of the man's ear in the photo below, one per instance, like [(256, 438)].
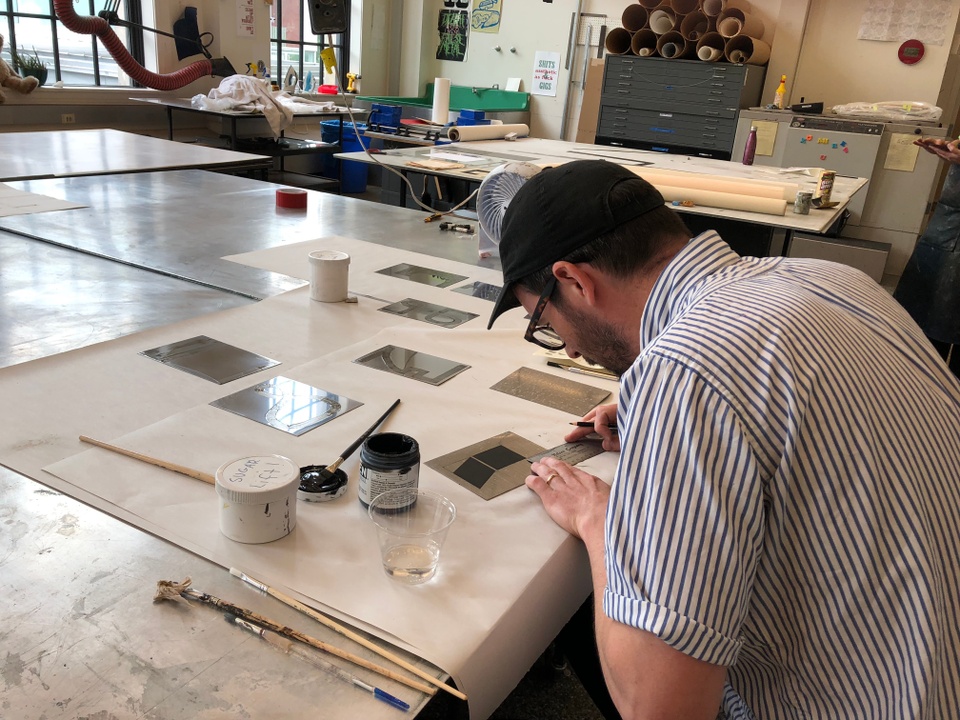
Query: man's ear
[(579, 279)]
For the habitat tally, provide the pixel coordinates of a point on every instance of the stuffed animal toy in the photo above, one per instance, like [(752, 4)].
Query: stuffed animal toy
[(9, 79)]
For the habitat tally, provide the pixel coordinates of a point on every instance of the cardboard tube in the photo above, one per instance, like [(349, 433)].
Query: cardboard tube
[(441, 101), (745, 49), (673, 45), (742, 186), (618, 41), (634, 18), (710, 47), (725, 201), (644, 43), (682, 7), (662, 21), (651, 4), (712, 8), (733, 21), (694, 26), (485, 132)]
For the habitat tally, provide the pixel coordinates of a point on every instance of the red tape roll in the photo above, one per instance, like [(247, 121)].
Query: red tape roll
[(291, 198)]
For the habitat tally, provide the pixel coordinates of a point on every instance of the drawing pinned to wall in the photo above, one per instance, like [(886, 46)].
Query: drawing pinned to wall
[(453, 26), (546, 72), (486, 16), (895, 20)]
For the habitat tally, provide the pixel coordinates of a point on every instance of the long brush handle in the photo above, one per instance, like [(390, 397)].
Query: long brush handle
[(356, 443), (346, 632), (182, 469), (306, 639)]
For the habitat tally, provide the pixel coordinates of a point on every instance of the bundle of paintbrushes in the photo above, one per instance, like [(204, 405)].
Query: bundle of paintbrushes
[(280, 636)]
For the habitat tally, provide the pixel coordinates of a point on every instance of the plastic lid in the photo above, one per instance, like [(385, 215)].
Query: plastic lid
[(257, 480)]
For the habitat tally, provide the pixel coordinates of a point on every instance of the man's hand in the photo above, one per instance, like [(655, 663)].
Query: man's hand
[(602, 417), (574, 499), (948, 150)]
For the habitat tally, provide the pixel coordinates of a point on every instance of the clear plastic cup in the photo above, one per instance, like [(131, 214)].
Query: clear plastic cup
[(411, 527)]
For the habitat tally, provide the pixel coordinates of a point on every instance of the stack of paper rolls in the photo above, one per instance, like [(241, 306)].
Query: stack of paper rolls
[(711, 30), (745, 194)]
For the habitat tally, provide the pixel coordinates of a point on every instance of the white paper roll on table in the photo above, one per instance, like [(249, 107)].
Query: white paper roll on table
[(726, 201), (441, 101), (486, 132), (740, 186)]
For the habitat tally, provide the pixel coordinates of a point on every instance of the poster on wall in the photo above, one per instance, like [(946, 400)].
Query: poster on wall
[(899, 20), (486, 16), (453, 26), (546, 71), (245, 27)]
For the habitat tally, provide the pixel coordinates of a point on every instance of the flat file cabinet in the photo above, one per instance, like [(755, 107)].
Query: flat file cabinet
[(688, 107)]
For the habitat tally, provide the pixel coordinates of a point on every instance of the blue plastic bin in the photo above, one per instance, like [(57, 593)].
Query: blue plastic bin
[(353, 179)]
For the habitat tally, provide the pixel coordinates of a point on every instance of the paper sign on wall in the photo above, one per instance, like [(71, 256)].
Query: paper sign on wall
[(453, 26), (546, 72), (902, 153), (245, 21), (486, 16)]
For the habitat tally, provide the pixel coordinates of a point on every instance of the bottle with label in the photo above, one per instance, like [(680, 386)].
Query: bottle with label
[(750, 149), (781, 92)]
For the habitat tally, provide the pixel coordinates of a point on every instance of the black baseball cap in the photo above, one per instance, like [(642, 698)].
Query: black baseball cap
[(559, 210)]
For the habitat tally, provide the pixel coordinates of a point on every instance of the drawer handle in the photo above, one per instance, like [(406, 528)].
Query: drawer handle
[(623, 92), (719, 85), (708, 135), (627, 77), (618, 125), (624, 84), (716, 92), (710, 112)]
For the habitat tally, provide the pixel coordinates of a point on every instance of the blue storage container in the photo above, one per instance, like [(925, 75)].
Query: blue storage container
[(353, 179)]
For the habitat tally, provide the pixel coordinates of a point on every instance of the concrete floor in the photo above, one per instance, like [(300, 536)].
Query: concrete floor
[(54, 299)]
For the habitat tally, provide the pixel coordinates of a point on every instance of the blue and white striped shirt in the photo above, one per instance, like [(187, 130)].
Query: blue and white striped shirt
[(787, 501)]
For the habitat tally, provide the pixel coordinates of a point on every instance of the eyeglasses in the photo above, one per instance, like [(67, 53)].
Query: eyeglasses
[(543, 335)]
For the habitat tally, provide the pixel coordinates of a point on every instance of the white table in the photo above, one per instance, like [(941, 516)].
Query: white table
[(72, 153), (532, 588), (764, 234)]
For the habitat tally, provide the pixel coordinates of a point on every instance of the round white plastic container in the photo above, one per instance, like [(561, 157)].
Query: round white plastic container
[(258, 498)]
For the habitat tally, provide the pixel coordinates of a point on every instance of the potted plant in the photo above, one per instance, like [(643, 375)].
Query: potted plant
[(30, 65)]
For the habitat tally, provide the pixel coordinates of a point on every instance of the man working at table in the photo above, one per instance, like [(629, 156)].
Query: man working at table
[(782, 533)]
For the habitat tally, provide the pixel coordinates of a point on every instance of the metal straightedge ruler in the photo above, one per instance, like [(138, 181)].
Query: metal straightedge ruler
[(573, 453)]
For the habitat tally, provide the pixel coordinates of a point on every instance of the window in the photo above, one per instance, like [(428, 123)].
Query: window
[(78, 60), (293, 45)]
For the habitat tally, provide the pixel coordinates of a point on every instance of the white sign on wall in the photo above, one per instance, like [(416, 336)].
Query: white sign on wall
[(546, 71)]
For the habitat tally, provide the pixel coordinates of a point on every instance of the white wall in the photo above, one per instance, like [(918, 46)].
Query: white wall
[(527, 26), (836, 67)]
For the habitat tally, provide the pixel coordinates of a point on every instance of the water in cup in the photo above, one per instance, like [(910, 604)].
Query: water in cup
[(412, 563), (411, 527)]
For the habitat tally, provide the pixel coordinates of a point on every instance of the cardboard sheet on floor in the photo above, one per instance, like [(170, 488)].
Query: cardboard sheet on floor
[(555, 392), (490, 467)]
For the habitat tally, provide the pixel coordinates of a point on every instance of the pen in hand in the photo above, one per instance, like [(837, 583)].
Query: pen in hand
[(581, 423)]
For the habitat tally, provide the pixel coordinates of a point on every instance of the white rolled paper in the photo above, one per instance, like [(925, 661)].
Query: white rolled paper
[(710, 47), (329, 275), (644, 43), (486, 132), (441, 101), (662, 21)]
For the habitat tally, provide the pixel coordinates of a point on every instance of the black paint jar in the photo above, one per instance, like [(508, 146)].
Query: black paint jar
[(388, 461)]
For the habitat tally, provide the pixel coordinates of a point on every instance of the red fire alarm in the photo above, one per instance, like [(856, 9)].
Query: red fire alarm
[(910, 52)]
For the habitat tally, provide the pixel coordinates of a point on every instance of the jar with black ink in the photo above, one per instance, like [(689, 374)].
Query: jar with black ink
[(388, 461)]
